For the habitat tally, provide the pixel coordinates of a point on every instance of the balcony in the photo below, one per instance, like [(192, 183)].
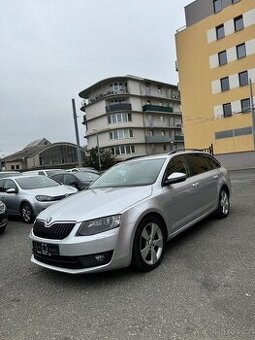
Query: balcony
[(156, 108), (118, 107), (163, 139), (161, 125)]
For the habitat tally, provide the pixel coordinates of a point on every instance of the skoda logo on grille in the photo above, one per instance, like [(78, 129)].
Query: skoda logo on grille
[(47, 222)]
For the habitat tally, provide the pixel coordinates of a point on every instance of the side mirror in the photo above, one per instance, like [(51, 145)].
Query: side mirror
[(175, 177), (11, 191)]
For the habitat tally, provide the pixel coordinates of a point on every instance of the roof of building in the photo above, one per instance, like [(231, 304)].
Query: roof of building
[(28, 152), (84, 93), (41, 141)]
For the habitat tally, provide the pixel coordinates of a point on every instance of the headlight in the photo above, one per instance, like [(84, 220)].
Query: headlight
[(2, 207), (99, 225), (43, 198)]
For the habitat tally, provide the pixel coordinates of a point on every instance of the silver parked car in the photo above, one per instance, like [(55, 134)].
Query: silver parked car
[(129, 213), (27, 196)]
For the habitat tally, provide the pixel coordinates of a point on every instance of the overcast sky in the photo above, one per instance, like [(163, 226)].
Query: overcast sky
[(50, 50)]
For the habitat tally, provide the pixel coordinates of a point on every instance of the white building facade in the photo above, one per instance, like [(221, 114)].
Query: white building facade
[(132, 116)]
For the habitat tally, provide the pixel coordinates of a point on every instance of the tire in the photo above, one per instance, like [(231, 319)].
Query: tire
[(223, 205), (27, 213), (149, 244)]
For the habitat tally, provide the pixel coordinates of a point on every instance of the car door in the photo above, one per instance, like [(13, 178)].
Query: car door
[(205, 181), (11, 200), (178, 199)]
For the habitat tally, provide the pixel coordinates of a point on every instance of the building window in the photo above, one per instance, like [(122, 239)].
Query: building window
[(121, 134), (227, 110), (240, 51), (217, 6), (119, 118), (222, 56), (235, 1), (243, 78), (12, 167), (17, 167), (224, 84), (238, 23), (220, 33), (123, 149), (245, 105)]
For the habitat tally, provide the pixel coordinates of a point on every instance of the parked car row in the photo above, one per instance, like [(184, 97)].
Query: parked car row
[(27, 194)]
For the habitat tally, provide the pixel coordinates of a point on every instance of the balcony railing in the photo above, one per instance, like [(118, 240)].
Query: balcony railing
[(160, 125), (118, 107), (156, 108), (163, 139)]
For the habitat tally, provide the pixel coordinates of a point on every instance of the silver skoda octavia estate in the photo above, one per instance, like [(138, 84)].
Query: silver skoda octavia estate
[(130, 212)]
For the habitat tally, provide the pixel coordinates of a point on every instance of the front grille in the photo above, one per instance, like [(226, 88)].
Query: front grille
[(57, 231), (74, 262)]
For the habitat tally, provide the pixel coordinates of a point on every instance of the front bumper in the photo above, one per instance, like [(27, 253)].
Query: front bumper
[(83, 254)]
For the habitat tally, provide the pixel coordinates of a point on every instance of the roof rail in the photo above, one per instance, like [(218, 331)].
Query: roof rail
[(174, 151), (134, 157)]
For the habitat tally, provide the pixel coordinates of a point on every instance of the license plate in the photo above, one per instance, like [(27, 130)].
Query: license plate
[(45, 249)]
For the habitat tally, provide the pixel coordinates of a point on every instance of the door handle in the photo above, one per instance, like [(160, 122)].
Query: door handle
[(216, 177), (195, 185)]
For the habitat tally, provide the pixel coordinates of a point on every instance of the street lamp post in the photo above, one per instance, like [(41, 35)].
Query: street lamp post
[(98, 150)]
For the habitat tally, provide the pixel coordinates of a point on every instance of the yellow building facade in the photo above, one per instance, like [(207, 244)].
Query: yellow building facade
[(216, 65)]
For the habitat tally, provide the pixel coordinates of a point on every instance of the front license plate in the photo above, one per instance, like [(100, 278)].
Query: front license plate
[(45, 248)]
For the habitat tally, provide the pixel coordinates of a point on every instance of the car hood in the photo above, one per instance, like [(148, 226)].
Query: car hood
[(93, 203), (54, 191)]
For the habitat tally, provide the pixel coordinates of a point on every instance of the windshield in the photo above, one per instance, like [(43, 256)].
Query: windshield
[(136, 172), (87, 176), (36, 182)]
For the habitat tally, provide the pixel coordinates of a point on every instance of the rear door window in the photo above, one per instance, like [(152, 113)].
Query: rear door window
[(197, 164), (212, 162)]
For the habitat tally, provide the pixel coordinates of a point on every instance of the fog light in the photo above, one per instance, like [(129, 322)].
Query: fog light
[(100, 258), (96, 259)]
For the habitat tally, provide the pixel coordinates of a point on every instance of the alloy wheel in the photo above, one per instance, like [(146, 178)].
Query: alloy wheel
[(151, 243)]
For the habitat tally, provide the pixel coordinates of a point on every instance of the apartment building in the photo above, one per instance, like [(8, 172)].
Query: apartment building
[(132, 116), (216, 65)]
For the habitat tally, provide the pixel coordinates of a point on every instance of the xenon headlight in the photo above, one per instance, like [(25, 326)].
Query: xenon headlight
[(43, 198), (98, 225)]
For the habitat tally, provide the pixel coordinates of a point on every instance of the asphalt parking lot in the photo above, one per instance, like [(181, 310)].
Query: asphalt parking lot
[(204, 288)]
